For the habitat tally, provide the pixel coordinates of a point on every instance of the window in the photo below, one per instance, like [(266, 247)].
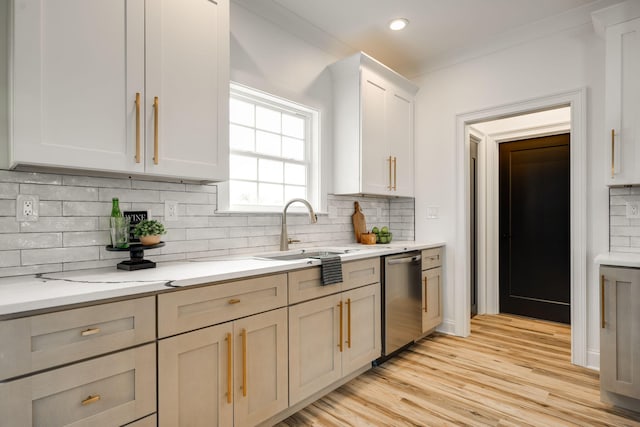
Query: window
[(272, 151)]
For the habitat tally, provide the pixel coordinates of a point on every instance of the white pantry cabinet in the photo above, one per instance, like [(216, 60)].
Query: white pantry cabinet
[(620, 336), (136, 87), (374, 126), (622, 86)]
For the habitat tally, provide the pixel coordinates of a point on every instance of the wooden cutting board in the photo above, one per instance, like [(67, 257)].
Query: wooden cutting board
[(359, 224)]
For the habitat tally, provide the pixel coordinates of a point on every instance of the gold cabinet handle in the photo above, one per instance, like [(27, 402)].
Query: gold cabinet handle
[(229, 340), (156, 109), (341, 326), (395, 174), (602, 321), (244, 362), (90, 331), (348, 322), (613, 151), (137, 127), (390, 173), (426, 294), (90, 399), (234, 301)]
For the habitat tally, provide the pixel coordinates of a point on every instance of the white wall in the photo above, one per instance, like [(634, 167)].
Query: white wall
[(558, 63), (268, 58)]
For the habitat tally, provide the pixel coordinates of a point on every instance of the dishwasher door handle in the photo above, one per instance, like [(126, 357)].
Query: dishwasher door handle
[(406, 260)]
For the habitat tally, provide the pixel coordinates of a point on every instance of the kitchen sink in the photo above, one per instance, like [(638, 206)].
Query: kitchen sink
[(304, 254)]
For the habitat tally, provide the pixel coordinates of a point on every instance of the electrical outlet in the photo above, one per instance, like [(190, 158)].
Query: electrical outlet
[(27, 207), (633, 209), (170, 210)]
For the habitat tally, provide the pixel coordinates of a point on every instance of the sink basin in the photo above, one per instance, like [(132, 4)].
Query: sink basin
[(304, 254)]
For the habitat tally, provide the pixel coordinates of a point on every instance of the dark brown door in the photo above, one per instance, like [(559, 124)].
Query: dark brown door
[(534, 228)]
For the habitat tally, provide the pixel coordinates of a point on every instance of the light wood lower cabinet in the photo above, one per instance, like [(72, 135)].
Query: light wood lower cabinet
[(332, 337), (229, 374), (431, 299), (620, 334), (107, 391), (431, 288)]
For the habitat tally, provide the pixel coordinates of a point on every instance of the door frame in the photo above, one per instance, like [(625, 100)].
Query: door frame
[(577, 100), (491, 297)]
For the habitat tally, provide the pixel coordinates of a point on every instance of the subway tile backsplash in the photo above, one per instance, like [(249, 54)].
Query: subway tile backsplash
[(72, 230), (624, 233)]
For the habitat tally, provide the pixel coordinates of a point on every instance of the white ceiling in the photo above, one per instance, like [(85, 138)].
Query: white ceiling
[(438, 29)]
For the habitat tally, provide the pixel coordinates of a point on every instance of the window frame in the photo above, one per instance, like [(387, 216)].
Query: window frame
[(312, 150)]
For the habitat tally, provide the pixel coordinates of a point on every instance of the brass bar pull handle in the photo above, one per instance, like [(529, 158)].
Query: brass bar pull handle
[(90, 399), (348, 322), (229, 340), (602, 321), (390, 173), (90, 331), (613, 152), (426, 294), (234, 301), (137, 127), (395, 173), (341, 326), (244, 362), (156, 107)]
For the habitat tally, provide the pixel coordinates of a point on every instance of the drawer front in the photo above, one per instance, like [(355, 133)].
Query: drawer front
[(49, 340), (107, 391), (432, 258), (360, 273), (307, 284), (191, 309)]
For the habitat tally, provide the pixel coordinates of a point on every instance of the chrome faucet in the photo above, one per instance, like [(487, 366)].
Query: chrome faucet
[(284, 238)]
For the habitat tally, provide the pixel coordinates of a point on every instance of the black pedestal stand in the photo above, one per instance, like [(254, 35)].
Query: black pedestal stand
[(136, 255)]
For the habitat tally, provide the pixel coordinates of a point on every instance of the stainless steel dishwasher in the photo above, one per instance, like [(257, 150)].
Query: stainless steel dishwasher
[(401, 301)]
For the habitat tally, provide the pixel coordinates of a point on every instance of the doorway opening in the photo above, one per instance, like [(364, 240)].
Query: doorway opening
[(485, 258)]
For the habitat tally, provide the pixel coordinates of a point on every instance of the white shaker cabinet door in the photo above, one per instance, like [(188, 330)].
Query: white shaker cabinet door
[(377, 162), (623, 103), (77, 67), (187, 79)]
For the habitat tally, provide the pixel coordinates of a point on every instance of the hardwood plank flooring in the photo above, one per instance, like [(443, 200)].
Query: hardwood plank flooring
[(511, 371)]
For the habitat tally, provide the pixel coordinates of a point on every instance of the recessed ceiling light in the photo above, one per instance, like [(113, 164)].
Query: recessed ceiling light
[(398, 24)]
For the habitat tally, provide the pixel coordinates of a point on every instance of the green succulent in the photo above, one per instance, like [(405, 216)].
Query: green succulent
[(149, 227)]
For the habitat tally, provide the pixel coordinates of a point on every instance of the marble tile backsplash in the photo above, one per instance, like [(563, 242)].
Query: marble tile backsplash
[(72, 230), (624, 233)]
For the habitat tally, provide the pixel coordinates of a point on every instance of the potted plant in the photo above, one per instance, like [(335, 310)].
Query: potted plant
[(149, 231)]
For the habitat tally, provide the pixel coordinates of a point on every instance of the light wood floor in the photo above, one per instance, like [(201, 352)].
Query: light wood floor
[(511, 371)]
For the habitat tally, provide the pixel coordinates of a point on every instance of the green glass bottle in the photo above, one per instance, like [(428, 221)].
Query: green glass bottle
[(115, 208)]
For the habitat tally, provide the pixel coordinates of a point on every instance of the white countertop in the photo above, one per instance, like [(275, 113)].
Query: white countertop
[(25, 295), (619, 259)]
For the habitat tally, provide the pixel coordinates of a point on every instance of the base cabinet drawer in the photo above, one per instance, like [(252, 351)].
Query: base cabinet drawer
[(190, 309), (307, 284), (431, 258), (111, 390), (50, 340)]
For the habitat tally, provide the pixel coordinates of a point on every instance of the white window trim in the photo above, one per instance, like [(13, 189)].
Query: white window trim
[(312, 151)]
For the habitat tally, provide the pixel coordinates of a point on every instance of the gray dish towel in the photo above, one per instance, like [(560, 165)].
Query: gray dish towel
[(331, 268)]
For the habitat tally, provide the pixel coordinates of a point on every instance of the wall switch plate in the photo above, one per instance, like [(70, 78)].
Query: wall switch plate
[(433, 212), (27, 207), (633, 209), (170, 210)]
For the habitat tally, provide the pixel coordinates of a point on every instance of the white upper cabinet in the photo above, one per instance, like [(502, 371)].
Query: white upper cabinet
[(86, 75), (373, 122), (620, 25)]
